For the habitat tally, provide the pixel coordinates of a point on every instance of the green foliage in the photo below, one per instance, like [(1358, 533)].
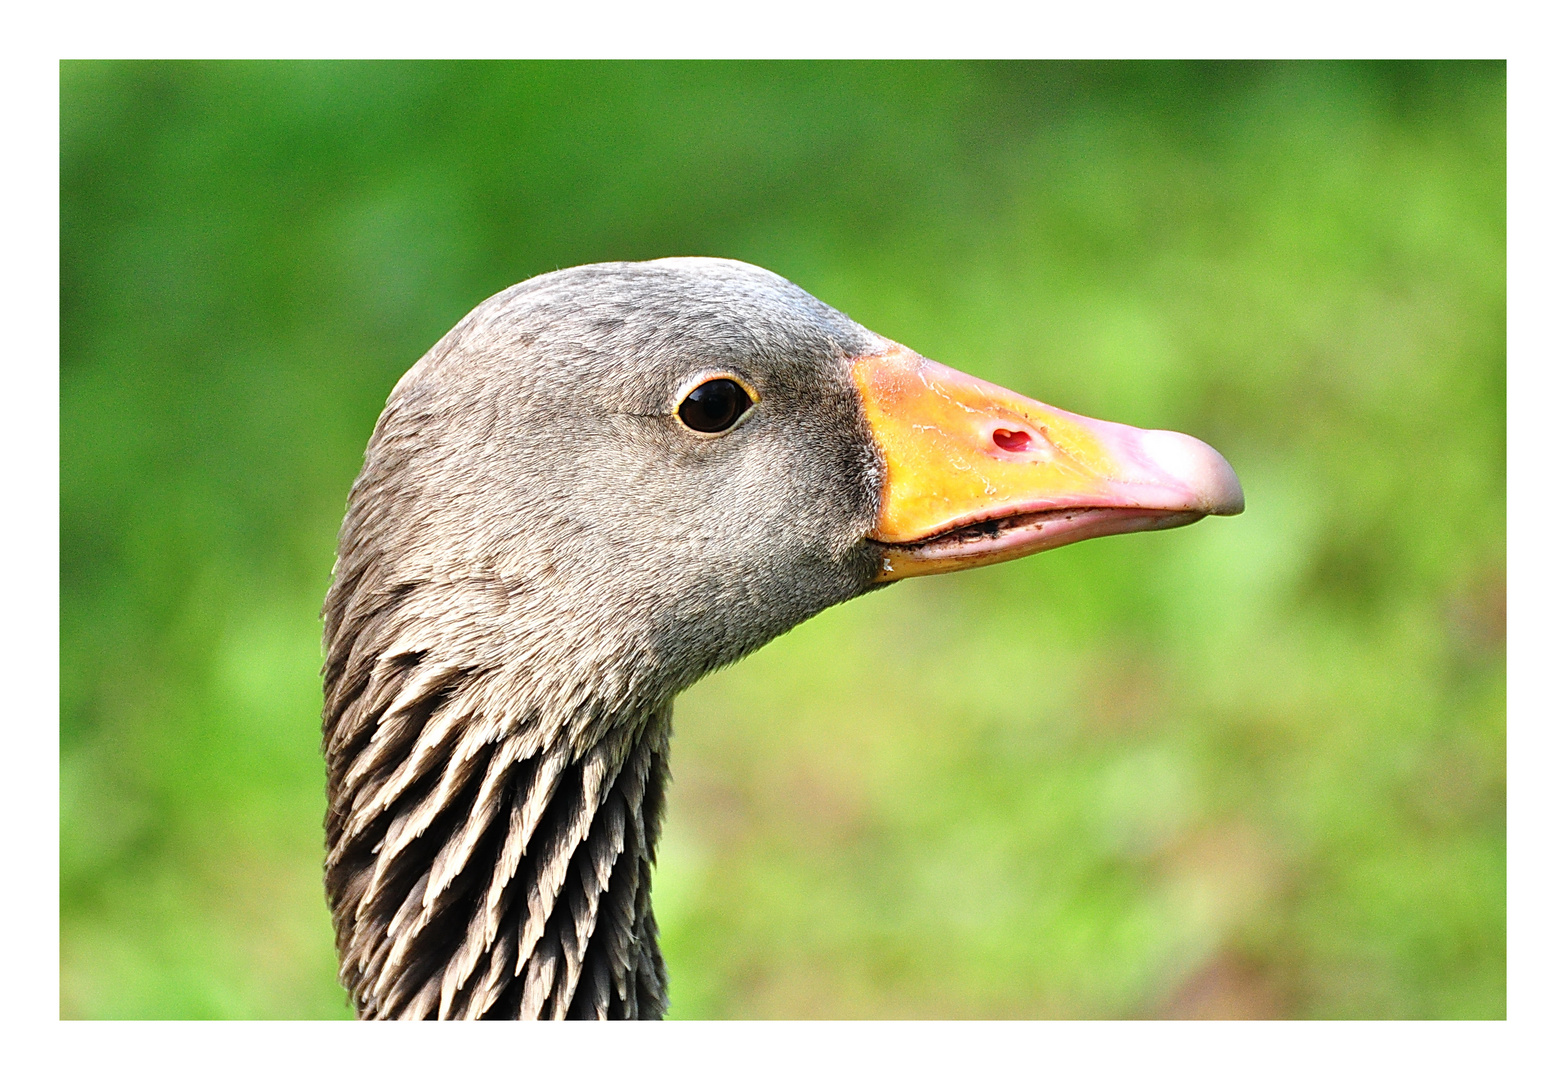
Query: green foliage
[(1253, 767)]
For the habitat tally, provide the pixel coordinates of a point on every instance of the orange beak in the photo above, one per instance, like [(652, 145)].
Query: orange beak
[(976, 474)]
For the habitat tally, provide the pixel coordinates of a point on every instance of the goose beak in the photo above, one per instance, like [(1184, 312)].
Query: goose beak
[(976, 474)]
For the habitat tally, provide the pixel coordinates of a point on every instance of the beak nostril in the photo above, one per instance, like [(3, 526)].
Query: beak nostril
[(1015, 441)]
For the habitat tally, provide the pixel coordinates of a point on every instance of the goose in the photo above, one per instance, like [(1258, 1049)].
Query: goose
[(601, 484)]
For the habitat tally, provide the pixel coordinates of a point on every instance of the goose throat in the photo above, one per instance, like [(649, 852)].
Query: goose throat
[(477, 872)]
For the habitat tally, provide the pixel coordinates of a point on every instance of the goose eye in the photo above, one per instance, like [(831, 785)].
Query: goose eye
[(714, 406)]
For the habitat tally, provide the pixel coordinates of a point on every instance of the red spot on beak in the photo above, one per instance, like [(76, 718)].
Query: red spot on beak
[(1015, 441)]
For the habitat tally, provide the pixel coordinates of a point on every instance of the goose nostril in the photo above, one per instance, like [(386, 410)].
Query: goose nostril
[(1014, 441)]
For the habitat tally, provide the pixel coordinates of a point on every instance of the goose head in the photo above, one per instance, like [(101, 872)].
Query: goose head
[(602, 484)]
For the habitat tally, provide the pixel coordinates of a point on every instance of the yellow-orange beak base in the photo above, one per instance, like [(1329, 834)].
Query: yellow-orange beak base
[(976, 474)]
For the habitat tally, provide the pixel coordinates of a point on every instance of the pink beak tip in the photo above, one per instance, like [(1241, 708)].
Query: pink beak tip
[(1197, 467)]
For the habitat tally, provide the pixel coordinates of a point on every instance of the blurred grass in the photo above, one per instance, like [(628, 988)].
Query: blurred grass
[(1251, 768)]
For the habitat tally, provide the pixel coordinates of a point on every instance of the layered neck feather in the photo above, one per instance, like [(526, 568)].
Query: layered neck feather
[(487, 856)]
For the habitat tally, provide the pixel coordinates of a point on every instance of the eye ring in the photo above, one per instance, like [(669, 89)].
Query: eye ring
[(714, 403)]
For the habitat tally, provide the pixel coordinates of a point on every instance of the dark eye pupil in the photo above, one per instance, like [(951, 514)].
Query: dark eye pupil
[(714, 406)]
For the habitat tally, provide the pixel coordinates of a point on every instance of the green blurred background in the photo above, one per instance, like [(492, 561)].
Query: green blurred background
[(1251, 768)]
